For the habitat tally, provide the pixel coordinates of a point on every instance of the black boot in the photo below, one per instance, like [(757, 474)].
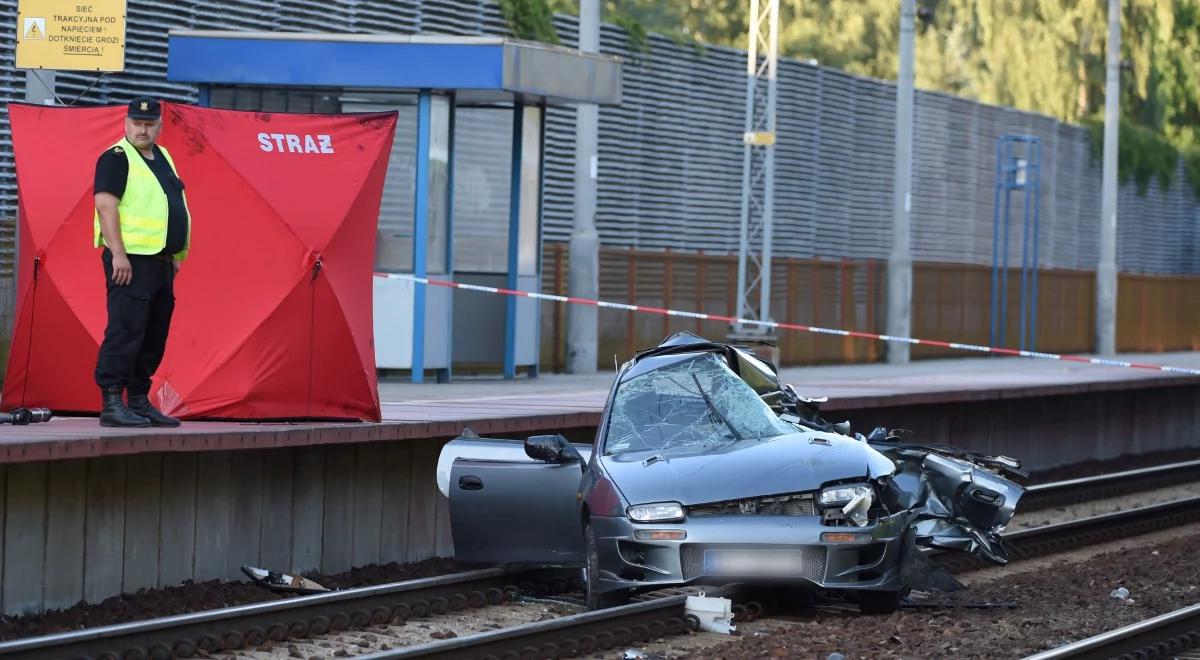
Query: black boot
[(115, 413), (140, 404)]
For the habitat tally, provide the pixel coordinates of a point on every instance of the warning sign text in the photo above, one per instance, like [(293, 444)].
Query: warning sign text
[(79, 35)]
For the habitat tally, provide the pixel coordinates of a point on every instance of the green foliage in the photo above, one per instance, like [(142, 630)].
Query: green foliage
[(639, 41), (674, 19), (1142, 154), (530, 19), (1191, 166), (1044, 56)]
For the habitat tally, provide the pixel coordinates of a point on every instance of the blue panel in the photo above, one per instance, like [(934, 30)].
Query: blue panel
[(421, 233), (335, 63)]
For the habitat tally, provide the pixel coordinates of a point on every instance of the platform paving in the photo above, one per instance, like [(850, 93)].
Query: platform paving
[(490, 405)]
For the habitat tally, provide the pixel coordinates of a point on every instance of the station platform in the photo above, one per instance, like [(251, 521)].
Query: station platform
[(492, 406), (559, 402), (89, 513)]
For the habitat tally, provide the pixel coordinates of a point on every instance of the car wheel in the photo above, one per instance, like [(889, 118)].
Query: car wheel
[(878, 602), (597, 600)]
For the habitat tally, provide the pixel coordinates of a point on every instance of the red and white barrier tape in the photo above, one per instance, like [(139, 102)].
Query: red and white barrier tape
[(789, 326)]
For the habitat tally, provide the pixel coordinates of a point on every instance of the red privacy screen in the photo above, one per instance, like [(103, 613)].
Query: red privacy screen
[(273, 305)]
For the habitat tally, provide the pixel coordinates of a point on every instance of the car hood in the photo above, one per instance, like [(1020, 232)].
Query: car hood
[(752, 468)]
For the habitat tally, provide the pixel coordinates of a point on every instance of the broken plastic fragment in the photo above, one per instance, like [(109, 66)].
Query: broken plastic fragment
[(632, 654), (1009, 462), (856, 509), (1122, 593), (713, 614), (282, 581)]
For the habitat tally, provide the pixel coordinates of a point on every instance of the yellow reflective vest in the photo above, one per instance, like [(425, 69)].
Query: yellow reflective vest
[(143, 208)]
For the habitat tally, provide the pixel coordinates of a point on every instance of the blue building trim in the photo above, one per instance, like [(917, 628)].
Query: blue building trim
[(312, 62), (421, 232), (514, 241)]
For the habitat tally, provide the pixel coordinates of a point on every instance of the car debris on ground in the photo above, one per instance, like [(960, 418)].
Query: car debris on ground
[(282, 582)]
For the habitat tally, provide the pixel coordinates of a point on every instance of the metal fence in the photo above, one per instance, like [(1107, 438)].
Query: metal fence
[(671, 164), (950, 302)]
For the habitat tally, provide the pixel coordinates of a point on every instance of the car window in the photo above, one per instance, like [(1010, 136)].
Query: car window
[(760, 377), (686, 406)]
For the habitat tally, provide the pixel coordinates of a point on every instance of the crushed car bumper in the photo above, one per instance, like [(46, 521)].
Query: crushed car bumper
[(728, 549)]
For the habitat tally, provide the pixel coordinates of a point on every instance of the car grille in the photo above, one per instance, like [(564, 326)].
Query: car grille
[(691, 558), (793, 504)]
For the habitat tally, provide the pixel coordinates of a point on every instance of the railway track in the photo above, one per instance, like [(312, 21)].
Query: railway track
[(1086, 489), (1171, 635), (213, 631), (577, 634), (251, 625)]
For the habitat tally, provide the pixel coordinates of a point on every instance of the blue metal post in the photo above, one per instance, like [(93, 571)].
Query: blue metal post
[(421, 233), (996, 246), (1024, 240), (1006, 153), (1037, 205), (514, 240), (204, 96), (1004, 253)]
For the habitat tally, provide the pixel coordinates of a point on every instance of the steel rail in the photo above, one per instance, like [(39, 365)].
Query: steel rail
[(1073, 491), (250, 625), (583, 634), (573, 635), (1163, 636)]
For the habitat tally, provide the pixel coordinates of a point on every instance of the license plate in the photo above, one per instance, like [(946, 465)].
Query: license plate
[(747, 563)]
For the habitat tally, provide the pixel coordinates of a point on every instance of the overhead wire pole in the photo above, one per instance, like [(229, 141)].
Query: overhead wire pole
[(583, 263), (758, 170), (899, 291), (1106, 270)]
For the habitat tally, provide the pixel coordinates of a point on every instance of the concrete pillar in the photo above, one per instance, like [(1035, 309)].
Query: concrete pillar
[(1106, 271), (583, 275), (899, 292)]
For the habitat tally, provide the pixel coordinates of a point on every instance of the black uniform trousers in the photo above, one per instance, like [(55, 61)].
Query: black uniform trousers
[(139, 316)]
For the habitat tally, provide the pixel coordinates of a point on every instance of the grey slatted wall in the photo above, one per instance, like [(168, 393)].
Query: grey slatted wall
[(671, 155), (12, 88)]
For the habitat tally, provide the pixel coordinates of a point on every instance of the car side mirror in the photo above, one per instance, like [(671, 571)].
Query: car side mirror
[(551, 449)]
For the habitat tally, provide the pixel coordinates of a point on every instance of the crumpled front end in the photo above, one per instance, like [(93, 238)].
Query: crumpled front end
[(748, 548), (956, 503)]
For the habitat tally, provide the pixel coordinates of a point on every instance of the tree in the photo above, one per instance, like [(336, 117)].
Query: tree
[(1045, 56)]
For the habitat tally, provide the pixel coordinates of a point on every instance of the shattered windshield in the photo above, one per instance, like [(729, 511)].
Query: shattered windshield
[(691, 405)]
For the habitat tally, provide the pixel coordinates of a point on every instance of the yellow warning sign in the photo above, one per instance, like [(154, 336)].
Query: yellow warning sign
[(35, 28), (71, 35)]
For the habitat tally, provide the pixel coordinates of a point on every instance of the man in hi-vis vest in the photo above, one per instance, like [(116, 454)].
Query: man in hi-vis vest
[(142, 221)]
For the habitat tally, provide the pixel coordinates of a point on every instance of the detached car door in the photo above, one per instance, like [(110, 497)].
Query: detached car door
[(517, 511)]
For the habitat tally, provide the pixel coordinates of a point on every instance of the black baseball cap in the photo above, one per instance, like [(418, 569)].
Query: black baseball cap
[(144, 107)]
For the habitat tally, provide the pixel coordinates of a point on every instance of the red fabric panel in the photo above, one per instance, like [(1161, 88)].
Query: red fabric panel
[(260, 331)]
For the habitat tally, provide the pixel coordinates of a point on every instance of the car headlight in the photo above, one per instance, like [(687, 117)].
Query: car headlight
[(845, 493), (657, 512), (855, 501)]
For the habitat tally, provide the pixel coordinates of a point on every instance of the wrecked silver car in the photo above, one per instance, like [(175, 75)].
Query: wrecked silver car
[(705, 470)]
